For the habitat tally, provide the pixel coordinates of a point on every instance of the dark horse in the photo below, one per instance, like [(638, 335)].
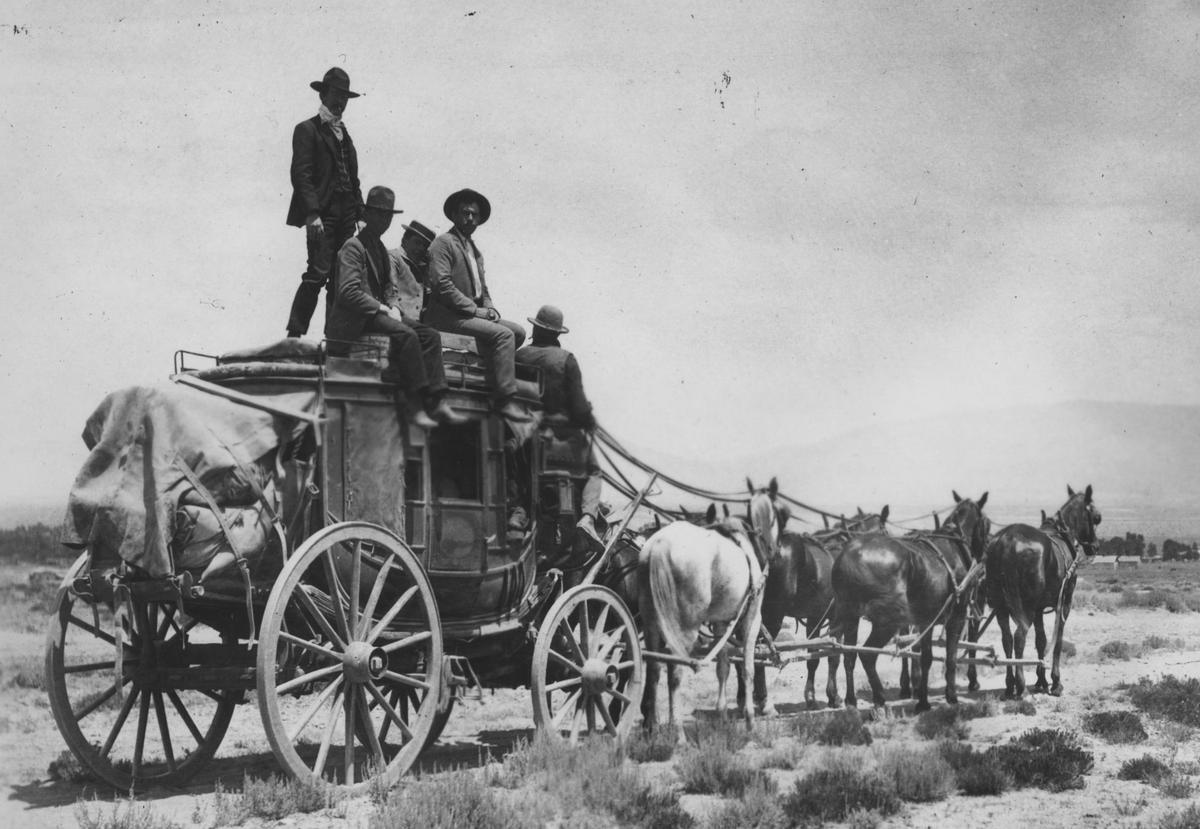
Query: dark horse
[(914, 580), (1031, 572), (799, 584)]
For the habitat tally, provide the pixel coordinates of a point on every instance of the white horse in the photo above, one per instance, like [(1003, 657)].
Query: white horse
[(689, 576)]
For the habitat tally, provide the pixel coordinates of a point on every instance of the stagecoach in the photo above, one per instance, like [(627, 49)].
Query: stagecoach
[(351, 575)]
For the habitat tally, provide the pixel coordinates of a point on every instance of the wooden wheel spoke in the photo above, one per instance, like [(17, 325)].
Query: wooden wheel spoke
[(314, 614), (351, 712), (598, 628), (308, 645), (335, 593), (84, 625), (311, 676), (564, 684), (130, 701), (408, 641), (619, 696), (569, 705), (96, 666), (558, 658), (327, 737), (322, 698), (573, 640), (355, 586), (368, 725), (139, 747), (392, 613), (373, 599), (164, 730), (98, 701), (403, 679), (390, 711), (585, 625), (185, 716), (617, 635), (609, 724)]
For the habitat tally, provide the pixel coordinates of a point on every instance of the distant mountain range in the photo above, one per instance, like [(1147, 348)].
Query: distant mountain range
[(1143, 462)]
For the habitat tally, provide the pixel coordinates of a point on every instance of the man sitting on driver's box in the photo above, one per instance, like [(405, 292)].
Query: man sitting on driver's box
[(371, 282), (564, 402)]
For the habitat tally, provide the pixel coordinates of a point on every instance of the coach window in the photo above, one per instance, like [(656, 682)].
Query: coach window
[(455, 457)]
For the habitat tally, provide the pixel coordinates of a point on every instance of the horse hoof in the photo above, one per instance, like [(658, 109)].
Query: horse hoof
[(834, 702), (767, 710), (921, 707), (1056, 691), (972, 686), (811, 704)]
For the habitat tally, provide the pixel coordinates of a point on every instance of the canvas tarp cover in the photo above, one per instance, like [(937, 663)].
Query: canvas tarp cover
[(125, 496)]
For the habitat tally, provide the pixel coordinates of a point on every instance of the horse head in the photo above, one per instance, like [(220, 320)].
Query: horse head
[(767, 516), (969, 520), (1080, 516)]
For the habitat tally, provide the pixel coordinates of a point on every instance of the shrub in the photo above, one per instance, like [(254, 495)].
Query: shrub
[(941, 723), (725, 735), (1155, 642), (1115, 726), (1146, 768), (1025, 707), (1068, 649), (652, 809), (1170, 697), (126, 814), (1189, 818), (67, 769), (831, 794), (977, 773), (1175, 785), (1045, 758), (271, 798), (844, 728), (918, 774), (452, 801), (707, 769), (652, 746), (758, 808), (1117, 650)]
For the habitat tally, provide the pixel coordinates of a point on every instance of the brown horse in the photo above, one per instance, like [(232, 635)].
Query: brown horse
[(1031, 572), (916, 580), (799, 584)]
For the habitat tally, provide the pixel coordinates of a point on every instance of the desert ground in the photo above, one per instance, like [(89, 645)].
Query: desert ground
[(1150, 611)]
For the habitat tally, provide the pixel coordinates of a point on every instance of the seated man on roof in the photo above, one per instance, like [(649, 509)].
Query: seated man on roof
[(564, 401), (460, 302), (371, 283)]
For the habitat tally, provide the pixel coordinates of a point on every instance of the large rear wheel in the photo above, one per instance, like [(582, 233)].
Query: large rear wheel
[(587, 666), (135, 727), (349, 658)]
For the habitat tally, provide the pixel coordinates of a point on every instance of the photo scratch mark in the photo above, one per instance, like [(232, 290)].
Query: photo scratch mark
[(722, 85)]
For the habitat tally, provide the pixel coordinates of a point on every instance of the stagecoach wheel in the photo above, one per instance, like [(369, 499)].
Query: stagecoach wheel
[(130, 734), (587, 666), (349, 658)]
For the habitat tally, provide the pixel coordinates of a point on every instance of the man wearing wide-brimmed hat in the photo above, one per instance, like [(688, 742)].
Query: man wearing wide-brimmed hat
[(414, 250), (567, 409), (326, 197), (460, 301), (368, 301)]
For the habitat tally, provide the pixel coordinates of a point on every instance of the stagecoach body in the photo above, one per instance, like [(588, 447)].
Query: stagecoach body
[(404, 568)]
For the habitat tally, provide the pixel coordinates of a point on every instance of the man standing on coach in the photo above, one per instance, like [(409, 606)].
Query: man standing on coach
[(461, 303), (326, 196)]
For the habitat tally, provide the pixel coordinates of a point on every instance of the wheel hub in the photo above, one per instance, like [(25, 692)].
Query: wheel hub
[(363, 662), (598, 676)]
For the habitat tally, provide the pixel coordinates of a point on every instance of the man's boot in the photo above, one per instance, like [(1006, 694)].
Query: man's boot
[(511, 411), (438, 409)]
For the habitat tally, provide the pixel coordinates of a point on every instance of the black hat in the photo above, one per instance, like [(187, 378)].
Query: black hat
[(336, 78), (467, 194), (382, 198), (550, 318)]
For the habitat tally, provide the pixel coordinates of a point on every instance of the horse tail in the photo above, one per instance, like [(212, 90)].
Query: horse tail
[(666, 598)]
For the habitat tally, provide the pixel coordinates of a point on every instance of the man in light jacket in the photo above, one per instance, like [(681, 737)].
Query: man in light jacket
[(460, 302)]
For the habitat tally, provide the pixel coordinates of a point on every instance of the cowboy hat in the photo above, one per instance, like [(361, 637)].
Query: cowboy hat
[(381, 198), (467, 194), (337, 78), (417, 229), (550, 318)]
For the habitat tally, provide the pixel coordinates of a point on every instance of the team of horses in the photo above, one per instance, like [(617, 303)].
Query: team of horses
[(734, 576)]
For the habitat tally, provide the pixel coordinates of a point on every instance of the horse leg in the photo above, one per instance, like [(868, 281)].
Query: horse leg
[(751, 625), (722, 676), (1006, 642), (650, 692), (672, 687), (973, 633), (1039, 638), (848, 635), (831, 691), (772, 622), (922, 664), (908, 667), (880, 635), (1019, 635), (1060, 619), (953, 633)]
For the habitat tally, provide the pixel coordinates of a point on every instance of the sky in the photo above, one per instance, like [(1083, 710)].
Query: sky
[(766, 223)]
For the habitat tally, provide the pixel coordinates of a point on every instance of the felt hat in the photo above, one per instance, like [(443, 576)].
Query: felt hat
[(337, 78), (419, 229), (464, 195), (550, 318), (382, 198)]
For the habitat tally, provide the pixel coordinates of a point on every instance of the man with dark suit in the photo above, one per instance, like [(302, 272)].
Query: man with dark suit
[(414, 250), (326, 196), (368, 301), (461, 303)]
